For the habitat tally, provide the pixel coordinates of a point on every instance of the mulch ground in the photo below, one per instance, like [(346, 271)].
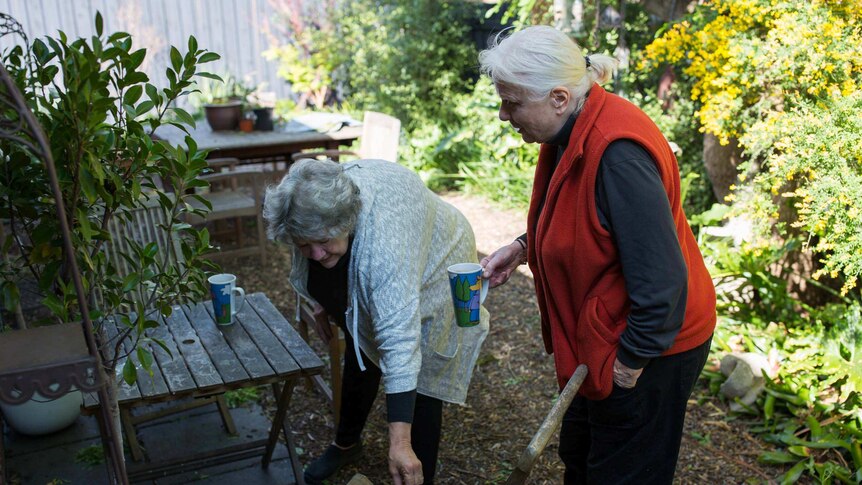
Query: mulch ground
[(512, 390)]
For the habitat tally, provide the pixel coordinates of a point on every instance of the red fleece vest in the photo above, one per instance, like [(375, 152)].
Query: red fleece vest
[(578, 277)]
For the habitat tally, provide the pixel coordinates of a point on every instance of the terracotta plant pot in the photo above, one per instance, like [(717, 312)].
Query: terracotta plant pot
[(246, 125), (224, 116)]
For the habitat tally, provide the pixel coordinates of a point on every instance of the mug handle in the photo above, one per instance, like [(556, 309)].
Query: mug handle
[(241, 294), (484, 292)]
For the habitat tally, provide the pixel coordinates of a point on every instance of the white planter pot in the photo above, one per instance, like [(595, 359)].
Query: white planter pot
[(41, 415)]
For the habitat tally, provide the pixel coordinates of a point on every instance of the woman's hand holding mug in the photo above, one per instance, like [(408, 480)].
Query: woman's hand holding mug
[(500, 264)]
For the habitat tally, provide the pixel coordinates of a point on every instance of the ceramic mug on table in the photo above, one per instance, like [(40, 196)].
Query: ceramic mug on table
[(469, 290), (223, 290)]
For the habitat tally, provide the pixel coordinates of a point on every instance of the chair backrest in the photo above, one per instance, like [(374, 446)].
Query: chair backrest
[(380, 134), (144, 226)]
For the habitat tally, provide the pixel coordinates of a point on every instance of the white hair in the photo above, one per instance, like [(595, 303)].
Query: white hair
[(315, 201), (539, 58)]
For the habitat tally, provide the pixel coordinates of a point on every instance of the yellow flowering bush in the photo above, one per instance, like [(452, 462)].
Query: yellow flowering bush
[(783, 77), (748, 59), (821, 152)]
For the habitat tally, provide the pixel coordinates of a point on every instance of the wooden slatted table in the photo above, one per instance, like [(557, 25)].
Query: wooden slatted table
[(259, 144), (206, 359)]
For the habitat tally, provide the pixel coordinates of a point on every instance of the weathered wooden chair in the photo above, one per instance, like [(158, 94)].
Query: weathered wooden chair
[(234, 195), (303, 318)]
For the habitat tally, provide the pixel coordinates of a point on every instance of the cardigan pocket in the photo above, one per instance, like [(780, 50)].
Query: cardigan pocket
[(596, 347), (440, 339)]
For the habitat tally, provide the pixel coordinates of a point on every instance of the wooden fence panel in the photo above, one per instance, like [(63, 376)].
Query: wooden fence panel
[(232, 28)]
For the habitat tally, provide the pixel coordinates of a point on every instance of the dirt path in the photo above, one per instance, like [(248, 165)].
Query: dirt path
[(512, 390)]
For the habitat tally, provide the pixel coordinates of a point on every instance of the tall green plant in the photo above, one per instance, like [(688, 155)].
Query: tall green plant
[(98, 112), (814, 161), (481, 154)]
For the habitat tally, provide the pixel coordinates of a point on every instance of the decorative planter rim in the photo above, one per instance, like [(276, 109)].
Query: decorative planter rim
[(228, 104)]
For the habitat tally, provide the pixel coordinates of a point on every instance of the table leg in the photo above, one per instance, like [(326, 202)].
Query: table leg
[(224, 412), (279, 424), (131, 436), (115, 461)]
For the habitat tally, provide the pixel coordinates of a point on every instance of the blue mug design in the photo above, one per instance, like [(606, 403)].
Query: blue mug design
[(223, 290), (469, 290)]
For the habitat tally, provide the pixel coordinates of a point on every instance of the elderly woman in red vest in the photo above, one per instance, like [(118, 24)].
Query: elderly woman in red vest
[(621, 284)]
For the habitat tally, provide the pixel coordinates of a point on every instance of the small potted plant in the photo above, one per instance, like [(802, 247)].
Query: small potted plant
[(223, 114), (223, 102), (262, 106)]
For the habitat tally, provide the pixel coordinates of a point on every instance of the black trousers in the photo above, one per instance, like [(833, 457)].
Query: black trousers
[(358, 390), (634, 435)]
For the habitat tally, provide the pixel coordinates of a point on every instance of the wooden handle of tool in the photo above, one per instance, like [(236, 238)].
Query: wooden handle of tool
[(546, 430)]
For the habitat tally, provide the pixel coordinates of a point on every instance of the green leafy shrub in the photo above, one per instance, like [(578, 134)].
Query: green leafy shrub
[(407, 58), (98, 112), (814, 161), (811, 410), (481, 154), (305, 46), (217, 89), (748, 291)]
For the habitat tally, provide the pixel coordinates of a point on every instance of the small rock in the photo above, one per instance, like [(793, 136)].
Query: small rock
[(744, 372)]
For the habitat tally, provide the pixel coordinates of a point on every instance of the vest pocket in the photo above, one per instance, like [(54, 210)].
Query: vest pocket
[(597, 338)]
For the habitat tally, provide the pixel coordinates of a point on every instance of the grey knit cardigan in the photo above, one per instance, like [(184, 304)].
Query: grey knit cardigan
[(399, 303)]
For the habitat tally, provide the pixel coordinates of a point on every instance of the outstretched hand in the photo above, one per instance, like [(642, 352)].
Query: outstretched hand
[(500, 264)]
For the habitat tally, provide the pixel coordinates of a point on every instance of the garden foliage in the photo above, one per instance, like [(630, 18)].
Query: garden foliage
[(811, 411), (98, 112), (783, 78), (305, 49)]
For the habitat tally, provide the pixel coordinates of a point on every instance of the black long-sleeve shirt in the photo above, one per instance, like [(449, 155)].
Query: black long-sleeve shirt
[(632, 205)]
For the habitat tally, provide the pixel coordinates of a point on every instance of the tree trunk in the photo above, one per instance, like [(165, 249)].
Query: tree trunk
[(562, 18), (721, 164), (667, 10), (578, 18), (622, 51), (114, 408)]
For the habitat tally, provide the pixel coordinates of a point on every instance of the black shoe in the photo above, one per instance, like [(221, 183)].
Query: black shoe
[(329, 462)]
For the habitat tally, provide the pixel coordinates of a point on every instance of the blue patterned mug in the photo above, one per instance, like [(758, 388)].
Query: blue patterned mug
[(469, 290), (222, 290)]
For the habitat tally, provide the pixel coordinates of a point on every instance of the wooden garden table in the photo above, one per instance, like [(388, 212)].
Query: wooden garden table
[(206, 359), (279, 143)]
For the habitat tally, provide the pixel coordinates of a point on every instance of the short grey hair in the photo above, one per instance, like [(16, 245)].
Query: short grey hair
[(315, 201), (539, 58)]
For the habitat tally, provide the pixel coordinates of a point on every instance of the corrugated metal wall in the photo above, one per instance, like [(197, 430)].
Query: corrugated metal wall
[(232, 28)]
